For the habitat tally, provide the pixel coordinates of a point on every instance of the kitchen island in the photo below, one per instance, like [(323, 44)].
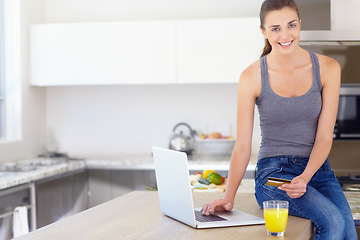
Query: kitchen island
[(137, 215)]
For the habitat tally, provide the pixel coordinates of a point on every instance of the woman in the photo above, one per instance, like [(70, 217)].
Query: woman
[(297, 94)]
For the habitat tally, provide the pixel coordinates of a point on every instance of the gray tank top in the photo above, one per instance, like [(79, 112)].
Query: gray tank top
[(288, 124)]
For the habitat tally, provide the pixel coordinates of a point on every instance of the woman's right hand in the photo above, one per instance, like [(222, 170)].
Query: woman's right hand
[(217, 206)]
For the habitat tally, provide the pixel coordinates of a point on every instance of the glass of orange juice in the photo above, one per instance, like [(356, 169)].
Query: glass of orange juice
[(276, 215)]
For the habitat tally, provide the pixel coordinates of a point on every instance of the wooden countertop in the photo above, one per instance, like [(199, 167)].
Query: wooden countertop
[(137, 216)]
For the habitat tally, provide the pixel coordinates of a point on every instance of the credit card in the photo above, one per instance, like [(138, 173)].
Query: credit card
[(277, 181)]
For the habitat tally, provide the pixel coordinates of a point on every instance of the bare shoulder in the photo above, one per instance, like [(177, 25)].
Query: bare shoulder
[(328, 63), (250, 78), (330, 69)]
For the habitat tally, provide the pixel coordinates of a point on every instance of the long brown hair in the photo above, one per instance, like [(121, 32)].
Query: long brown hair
[(271, 5)]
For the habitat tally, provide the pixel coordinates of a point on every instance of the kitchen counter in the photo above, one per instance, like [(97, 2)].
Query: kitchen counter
[(11, 179), (126, 162), (146, 162), (137, 215), (139, 163)]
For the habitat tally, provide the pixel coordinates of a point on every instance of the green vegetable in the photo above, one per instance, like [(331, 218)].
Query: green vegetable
[(149, 189), (203, 181), (214, 178)]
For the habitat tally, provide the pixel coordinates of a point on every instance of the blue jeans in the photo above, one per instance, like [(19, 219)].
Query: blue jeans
[(324, 202)]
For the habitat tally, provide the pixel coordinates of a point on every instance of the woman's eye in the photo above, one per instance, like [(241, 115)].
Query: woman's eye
[(275, 29), (292, 25)]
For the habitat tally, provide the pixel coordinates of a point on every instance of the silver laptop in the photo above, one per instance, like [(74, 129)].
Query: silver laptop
[(175, 196)]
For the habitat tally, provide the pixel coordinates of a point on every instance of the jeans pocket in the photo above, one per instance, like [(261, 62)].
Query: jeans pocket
[(265, 192), (262, 175)]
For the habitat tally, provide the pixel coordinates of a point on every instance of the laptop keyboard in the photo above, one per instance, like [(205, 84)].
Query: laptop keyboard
[(211, 218)]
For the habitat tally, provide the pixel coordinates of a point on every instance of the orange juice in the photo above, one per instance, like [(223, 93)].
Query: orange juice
[(276, 219)]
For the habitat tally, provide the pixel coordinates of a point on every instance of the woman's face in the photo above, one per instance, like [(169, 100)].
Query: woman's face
[(282, 29)]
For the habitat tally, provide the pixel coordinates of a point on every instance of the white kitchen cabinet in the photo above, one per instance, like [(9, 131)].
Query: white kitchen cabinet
[(143, 52), (138, 52), (216, 50)]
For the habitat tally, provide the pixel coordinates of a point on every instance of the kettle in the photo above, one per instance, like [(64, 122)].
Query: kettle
[(181, 142)]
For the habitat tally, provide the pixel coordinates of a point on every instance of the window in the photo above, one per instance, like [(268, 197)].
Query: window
[(2, 114), (10, 71)]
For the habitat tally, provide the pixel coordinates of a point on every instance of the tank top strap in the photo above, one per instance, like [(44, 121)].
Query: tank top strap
[(265, 85), (316, 69)]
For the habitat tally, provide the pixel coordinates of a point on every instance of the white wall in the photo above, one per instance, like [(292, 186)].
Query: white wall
[(109, 120), (33, 99), (106, 121)]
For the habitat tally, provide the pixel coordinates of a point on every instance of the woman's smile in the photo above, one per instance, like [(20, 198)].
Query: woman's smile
[(285, 43)]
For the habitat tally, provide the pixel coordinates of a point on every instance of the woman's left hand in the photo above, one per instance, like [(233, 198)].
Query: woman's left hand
[(296, 188)]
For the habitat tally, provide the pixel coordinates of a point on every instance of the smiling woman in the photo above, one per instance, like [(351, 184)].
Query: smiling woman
[(297, 93)]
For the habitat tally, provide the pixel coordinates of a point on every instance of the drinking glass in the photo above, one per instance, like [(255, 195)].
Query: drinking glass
[(276, 215)]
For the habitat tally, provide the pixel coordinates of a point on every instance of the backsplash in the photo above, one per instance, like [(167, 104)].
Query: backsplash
[(105, 121)]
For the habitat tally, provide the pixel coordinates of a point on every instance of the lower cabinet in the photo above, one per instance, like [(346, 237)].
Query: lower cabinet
[(61, 196), (100, 187), (67, 194), (108, 184), (10, 198)]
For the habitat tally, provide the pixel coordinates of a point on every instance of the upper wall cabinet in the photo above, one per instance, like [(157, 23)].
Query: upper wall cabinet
[(216, 50), (103, 53), (143, 52)]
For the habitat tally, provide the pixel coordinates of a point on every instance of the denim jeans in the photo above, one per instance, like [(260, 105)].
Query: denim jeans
[(324, 202)]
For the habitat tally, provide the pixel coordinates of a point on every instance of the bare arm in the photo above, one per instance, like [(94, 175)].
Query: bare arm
[(242, 149), (248, 90), (330, 75)]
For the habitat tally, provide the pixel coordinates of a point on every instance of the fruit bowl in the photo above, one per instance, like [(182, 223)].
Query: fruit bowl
[(221, 146)]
